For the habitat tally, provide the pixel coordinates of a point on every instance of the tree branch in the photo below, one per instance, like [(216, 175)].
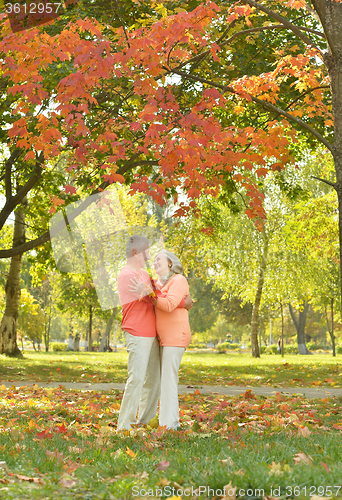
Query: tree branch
[(299, 122), (294, 319), (324, 180), (22, 192), (44, 238), (267, 105), (122, 23), (8, 173), (244, 32), (305, 93), (295, 29), (13, 201)]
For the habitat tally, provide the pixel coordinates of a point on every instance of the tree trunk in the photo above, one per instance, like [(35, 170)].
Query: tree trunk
[(331, 330), (8, 326), (300, 327), (282, 329), (338, 187), (330, 14), (47, 329), (107, 332), (115, 337), (90, 341), (256, 306)]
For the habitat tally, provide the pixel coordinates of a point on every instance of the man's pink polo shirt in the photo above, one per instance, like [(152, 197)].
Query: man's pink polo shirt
[(138, 317)]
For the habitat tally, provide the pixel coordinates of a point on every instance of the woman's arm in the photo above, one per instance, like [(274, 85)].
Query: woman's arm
[(178, 289)]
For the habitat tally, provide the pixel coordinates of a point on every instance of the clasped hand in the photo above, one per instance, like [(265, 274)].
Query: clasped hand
[(138, 287)]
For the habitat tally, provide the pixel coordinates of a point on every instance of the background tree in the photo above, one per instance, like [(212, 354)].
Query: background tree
[(313, 229), (31, 318), (174, 135)]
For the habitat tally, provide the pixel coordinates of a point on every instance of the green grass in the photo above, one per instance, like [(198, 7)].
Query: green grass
[(196, 369), (52, 436)]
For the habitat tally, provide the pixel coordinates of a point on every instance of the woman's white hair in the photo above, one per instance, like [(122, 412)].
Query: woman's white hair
[(176, 265)]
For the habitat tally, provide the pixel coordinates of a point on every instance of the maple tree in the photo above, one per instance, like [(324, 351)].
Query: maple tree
[(112, 106)]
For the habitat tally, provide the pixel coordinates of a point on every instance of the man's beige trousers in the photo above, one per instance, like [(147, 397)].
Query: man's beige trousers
[(143, 384)]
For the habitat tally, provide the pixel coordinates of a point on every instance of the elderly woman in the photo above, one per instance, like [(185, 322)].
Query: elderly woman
[(173, 330)]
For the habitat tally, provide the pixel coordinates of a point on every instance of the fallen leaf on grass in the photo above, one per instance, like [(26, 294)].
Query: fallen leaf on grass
[(325, 466), (70, 466), (67, 481), (130, 452), (164, 482), (301, 457), (4, 467), (74, 449), (304, 431), (229, 492), (36, 480), (55, 454), (196, 426), (117, 453), (163, 465), (44, 434), (275, 469), (177, 486), (32, 424), (153, 423), (317, 497), (248, 394), (105, 430)]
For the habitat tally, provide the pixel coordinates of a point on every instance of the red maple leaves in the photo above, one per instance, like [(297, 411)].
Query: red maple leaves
[(193, 148)]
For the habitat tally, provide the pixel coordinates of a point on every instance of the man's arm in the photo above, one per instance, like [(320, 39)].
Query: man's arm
[(186, 303)]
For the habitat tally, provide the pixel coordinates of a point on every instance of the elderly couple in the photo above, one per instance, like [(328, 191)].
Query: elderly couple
[(149, 315)]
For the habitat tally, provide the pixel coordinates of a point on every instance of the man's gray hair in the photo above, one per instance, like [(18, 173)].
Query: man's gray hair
[(176, 265), (137, 243)]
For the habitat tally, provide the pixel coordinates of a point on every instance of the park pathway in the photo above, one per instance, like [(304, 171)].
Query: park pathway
[(232, 390)]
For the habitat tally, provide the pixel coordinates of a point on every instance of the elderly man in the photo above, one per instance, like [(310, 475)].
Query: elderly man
[(139, 328)]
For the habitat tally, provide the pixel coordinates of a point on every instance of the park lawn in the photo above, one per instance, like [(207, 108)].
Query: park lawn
[(60, 444), (197, 369)]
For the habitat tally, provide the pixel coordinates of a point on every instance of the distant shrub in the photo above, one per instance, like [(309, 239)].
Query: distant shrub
[(315, 346), (233, 347), (224, 346), (339, 349), (263, 349), (59, 346), (198, 345), (291, 349), (271, 349), (221, 347)]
